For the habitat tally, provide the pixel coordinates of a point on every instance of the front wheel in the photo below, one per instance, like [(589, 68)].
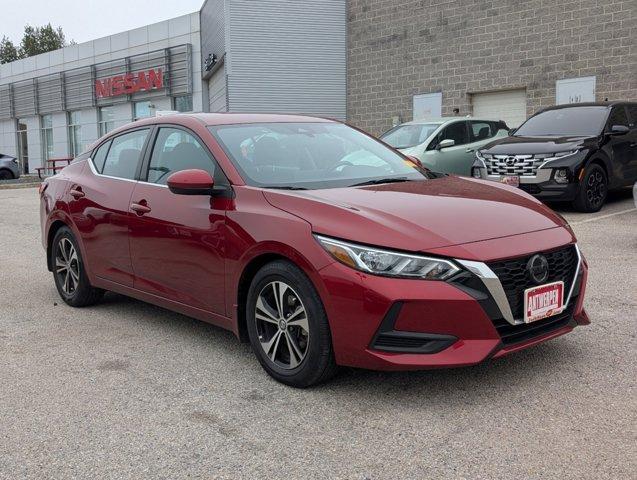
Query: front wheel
[(6, 175), (593, 190), (69, 273), (288, 327)]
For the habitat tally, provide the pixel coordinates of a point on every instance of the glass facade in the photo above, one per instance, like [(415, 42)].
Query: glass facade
[(106, 120), (46, 124), (141, 110), (183, 103), (75, 133)]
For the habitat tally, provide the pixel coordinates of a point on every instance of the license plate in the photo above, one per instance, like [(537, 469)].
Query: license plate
[(543, 301), (512, 180)]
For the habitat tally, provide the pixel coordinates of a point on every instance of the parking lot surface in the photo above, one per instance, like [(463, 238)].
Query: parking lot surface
[(128, 390)]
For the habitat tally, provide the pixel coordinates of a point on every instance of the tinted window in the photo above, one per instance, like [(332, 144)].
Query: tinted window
[(405, 136), (100, 156), (481, 130), (632, 111), (123, 156), (618, 116), (310, 155), (456, 131), (175, 150), (568, 121)]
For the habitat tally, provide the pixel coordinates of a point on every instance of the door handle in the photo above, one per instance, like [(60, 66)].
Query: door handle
[(140, 208), (76, 192), (470, 150)]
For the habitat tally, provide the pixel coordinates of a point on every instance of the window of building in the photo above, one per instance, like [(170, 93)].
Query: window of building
[(141, 110), (23, 146), (75, 133), (175, 150), (106, 120), (46, 124), (123, 156), (183, 103)]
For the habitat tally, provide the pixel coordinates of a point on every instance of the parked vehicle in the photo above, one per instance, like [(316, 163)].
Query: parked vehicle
[(9, 167), (573, 153), (445, 145), (321, 245)]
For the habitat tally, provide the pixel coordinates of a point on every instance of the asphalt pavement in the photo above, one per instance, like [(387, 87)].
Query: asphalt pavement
[(128, 390)]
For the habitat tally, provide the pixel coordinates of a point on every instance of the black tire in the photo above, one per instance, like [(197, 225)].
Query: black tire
[(5, 174), (593, 190), (83, 293), (318, 364)]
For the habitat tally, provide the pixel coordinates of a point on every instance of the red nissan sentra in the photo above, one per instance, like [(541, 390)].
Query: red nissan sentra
[(312, 240)]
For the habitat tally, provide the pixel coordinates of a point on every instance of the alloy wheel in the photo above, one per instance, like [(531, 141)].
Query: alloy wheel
[(67, 266), (282, 325), (595, 188)]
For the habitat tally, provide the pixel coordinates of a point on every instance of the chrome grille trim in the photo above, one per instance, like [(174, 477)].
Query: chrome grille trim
[(521, 165)]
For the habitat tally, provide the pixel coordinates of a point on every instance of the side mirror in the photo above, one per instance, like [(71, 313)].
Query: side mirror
[(619, 130), (446, 144), (191, 182)]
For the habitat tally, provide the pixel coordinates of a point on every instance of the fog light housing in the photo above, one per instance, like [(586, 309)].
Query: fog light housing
[(475, 172), (561, 175)]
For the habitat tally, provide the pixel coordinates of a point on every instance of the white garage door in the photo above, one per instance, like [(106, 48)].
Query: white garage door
[(509, 105)]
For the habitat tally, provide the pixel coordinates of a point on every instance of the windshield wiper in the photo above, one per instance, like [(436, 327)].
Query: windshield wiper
[(381, 180), (285, 187)]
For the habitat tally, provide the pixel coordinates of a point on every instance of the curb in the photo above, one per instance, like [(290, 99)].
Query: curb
[(12, 186)]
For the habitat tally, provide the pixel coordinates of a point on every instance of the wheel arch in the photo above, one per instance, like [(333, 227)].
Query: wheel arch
[(55, 226), (258, 260)]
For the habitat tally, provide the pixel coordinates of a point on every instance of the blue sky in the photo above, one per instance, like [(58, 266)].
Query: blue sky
[(84, 20)]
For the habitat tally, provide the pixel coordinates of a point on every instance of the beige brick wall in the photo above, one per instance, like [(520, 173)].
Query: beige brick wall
[(398, 48)]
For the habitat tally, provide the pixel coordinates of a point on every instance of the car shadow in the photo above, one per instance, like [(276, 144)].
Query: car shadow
[(615, 196)]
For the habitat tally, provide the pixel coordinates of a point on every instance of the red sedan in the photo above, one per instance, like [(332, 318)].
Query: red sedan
[(312, 240)]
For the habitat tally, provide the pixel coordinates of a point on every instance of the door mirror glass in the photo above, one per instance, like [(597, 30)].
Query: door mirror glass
[(191, 182), (446, 143), (619, 130)]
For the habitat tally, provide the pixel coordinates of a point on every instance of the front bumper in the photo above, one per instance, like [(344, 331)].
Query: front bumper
[(445, 324), (541, 186)]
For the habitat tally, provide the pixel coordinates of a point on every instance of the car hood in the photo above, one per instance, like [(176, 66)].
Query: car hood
[(514, 145), (418, 215)]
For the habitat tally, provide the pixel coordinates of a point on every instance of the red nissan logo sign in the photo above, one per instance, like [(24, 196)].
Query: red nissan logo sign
[(130, 83)]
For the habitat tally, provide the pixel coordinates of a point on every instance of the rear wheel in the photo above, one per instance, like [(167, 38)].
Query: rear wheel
[(6, 175), (69, 273), (288, 327), (593, 190)]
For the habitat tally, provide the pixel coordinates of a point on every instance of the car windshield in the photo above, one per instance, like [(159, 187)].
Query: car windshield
[(311, 155), (562, 122), (405, 136)]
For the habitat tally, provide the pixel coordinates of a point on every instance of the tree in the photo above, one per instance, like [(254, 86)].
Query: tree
[(8, 52), (35, 40)]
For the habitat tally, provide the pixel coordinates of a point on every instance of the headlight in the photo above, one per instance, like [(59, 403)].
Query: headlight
[(387, 263)]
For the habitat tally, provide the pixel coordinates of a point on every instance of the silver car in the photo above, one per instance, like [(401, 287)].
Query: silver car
[(9, 167), (445, 145)]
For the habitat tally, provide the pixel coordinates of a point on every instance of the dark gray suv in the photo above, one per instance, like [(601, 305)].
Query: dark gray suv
[(9, 168)]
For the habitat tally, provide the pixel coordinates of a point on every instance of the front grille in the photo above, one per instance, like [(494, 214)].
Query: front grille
[(521, 165), (515, 279), (512, 334)]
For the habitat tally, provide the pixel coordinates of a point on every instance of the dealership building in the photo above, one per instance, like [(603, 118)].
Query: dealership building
[(232, 55), (375, 63)]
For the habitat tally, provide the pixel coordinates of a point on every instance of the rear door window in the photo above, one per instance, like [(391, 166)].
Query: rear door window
[(481, 130), (124, 155), (632, 113)]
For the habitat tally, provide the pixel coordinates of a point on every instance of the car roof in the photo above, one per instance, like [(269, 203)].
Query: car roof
[(232, 118), (589, 104), (441, 120)]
